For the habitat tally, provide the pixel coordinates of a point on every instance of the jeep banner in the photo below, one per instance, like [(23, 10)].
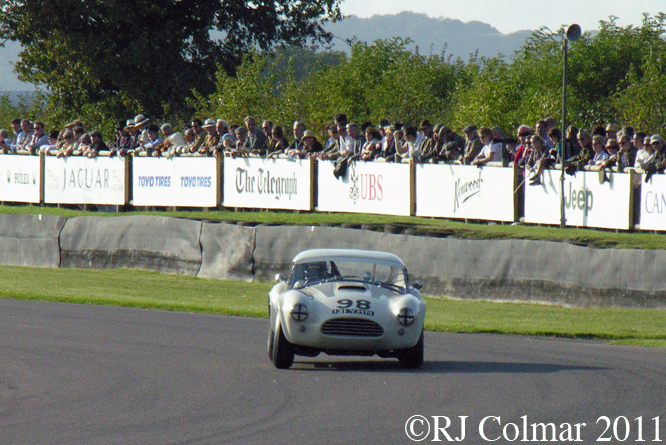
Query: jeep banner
[(590, 200)]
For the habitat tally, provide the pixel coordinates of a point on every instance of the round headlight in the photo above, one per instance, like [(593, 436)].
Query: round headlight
[(405, 316), (299, 312)]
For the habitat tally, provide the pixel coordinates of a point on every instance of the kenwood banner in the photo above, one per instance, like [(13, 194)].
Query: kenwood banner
[(590, 200), (462, 191), (77, 180), (22, 180), (268, 183), (367, 187), (176, 182)]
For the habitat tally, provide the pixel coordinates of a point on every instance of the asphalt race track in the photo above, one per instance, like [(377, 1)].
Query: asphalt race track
[(76, 374)]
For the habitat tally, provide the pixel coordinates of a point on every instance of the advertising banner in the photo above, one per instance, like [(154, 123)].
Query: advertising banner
[(268, 183), (176, 182), (367, 187), (653, 203), (77, 180), (21, 180), (466, 192), (589, 201)]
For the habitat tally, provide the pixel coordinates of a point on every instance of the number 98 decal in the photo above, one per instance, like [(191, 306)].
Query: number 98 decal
[(347, 306)]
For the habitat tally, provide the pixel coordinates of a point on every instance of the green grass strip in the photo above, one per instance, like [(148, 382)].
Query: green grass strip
[(153, 290)]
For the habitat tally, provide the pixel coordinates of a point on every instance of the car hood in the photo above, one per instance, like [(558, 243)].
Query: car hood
[(329, 293)]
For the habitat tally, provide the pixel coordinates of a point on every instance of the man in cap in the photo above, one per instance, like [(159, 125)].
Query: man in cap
[(473, 145)]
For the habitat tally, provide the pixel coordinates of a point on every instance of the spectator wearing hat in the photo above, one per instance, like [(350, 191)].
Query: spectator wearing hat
[(645, 155), (659, 146), (141, 137), (312, 145), (123, 141), (211, 140), (611, 131), (256, 138), (473, 145)]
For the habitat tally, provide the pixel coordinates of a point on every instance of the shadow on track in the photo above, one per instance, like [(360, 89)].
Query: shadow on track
[(439, 367)]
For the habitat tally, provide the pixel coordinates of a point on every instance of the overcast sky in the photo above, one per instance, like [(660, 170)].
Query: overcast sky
[(513, 15)]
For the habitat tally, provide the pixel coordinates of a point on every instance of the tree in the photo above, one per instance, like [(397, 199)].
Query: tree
[(148, 55)]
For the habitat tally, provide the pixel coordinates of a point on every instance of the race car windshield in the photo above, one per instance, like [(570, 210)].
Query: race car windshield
[(304, 274)]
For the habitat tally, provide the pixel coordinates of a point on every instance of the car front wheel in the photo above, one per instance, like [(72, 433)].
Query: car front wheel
[(412, 358), (282, 353)]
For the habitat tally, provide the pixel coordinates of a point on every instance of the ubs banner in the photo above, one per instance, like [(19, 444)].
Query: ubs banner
[(22, 179), (587, 201), (368, 187), (268, 183), (462, 191), (653, 203), (176, 182), (77, 180)]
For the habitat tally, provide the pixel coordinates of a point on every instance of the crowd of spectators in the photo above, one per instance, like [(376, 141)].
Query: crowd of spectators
[(533, 148)]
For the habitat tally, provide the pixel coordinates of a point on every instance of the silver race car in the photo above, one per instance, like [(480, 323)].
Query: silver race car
[(346, 302)]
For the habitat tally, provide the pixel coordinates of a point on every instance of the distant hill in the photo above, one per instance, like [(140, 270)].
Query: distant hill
[(432, 36)]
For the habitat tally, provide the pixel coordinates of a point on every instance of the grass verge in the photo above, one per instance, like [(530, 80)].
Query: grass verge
[(152, 290)]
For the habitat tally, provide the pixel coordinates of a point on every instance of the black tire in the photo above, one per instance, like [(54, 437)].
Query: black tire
[(412, 358), (271, 338), (283, 351)]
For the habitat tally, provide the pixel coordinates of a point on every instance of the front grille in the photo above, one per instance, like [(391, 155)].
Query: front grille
[(352, 327)]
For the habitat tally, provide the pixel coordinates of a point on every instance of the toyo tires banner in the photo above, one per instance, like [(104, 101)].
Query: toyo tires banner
[(176, 182)]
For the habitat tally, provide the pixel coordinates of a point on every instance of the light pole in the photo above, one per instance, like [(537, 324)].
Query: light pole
[(573, 33)]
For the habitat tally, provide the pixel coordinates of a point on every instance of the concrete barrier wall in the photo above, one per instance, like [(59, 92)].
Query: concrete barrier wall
[(227, 252), (30, 240), (507, 270), (132, 242)]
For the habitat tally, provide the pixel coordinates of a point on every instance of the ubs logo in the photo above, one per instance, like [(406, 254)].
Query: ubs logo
[(365, 186)]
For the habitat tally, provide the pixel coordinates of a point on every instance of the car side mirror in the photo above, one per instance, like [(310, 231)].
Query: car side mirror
[(418, 284), (280, 278)]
